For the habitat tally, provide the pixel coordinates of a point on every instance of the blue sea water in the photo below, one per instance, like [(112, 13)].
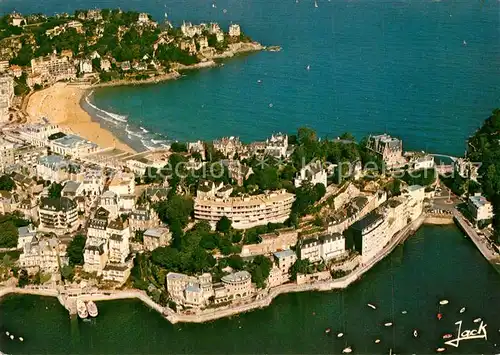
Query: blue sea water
[(426, 71)]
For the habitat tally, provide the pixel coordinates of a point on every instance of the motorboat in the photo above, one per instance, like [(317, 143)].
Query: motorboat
[(388, 324), (415, 333), (462, 310), (11, 337), (92, 309), (347, 350), (447, 336), (477, 320), (443, 302), (377, 341), (327, 331), (21, 338), (315, 4), (372, 306), (340, 335), (404, 312), (7, 333), (440, 350), (81, 309)]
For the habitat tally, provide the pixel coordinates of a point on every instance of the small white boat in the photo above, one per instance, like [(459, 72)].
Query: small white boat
[(11, 337), (443, 302), (340, 335), (308, 67), (462, 310), (415, 333), (440, 350), (214, 6), (465, 43), (477, 320), (404, 312), (92, 309), (347, 350), (7, 333), (315, 4), (377, 341), (21, 338), (388, 324), (224, 11), (259, 81), (372, 306)]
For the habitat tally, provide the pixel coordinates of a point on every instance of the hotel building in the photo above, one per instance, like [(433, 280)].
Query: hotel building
[(245, 212)]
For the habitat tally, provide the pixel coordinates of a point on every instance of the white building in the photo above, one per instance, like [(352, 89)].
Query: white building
[(389, 149), (323, 248), (245, 212), (85, 66), (44, 255), (277, 145), (37, 134), (480, 207), (72, 145), (234, 30), (190, 290), (27, 234), (285, 260), (312, 173), (6, 96)]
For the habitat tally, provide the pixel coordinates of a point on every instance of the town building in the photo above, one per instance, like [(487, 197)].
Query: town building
[(190, 30), (53, 68), (58, 214), (285, 260), (42, 255), (17, 20), (143, 18), (143, 218), (4, 66), (228, 146), (27, 234), (156, 237), (323, 248), (373, 232), (38, 134), (116, 272), (105, 65), (6, 96), (190, 290), (234, 30), (245, 212), (28, 208), (313, 173), (389, 149), (109, 201), (72, 145), (466, 169), (86, 66), (6, 154), (237, 286), (277, 145), (281, 239), (480, 208), (53, 168), (238, 172)]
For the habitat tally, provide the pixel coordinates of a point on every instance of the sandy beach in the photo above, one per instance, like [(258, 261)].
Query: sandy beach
[(60, 104)]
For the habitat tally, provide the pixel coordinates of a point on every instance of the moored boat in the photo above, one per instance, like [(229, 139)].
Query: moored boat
[(477, 320), (388, 324), (92, 309), (462, 310), (443, 302), (447, 336), (340, 335), (372, 306), (81, 309), (440, 350), (347, 350)]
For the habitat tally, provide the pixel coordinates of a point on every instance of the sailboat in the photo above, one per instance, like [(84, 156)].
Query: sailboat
[(315, 4)]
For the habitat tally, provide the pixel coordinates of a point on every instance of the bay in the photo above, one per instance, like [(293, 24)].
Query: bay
[(392, 65)]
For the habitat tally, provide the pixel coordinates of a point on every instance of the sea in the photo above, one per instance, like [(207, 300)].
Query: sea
[(406, 287), (426, 71)]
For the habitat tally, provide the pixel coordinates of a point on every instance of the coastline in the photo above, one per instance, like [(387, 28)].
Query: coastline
[(263, 299), (60, 104)]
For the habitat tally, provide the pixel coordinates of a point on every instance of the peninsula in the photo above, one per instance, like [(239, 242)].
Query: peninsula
[(200, 230)]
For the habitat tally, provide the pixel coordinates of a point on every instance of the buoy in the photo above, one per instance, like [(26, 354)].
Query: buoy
[(388, 324), (371, 306), (439, 316), (462, 310), (440, 350), (347, 350), (443, 302), (21, 338), (477, 320), (377, 341), (11, 337), (415, 333), (340, 335)]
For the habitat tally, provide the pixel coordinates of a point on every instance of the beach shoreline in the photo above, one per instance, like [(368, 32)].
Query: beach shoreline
[(61, 105)]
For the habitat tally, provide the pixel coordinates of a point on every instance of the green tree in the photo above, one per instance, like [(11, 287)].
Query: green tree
[(67, 273), (55, 190), (6, 183), (23, 278), (236, 262), (224, 224), (75, 250)]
